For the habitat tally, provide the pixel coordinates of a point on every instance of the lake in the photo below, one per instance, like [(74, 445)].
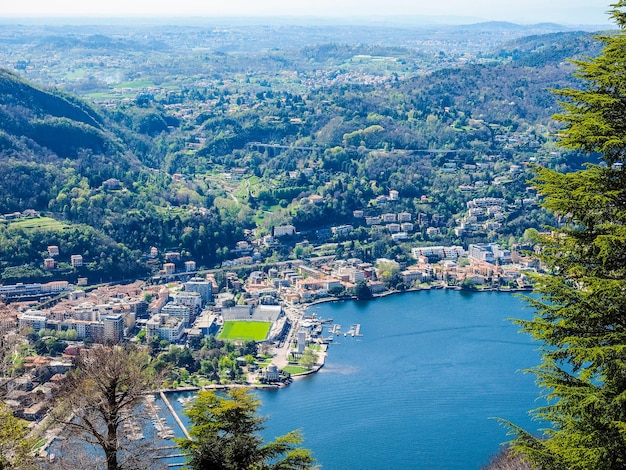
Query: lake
[(420, 389)]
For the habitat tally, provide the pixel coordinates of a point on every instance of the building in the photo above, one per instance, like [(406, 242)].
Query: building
[(113, 328), (481, 252), (438, 252), (190, 266), (284, 230), (486, 202), (301, 341), (204, 287), (169, 268), (342, 230), (206, 324), (31, 319), (163, 327), (76, 261), (48, 263), (272, 374), (55, 287), (183, 312), (404, 217), (53, 250), (410, 276), (20, 290), (192, 300), (96, 331), (501, 254)]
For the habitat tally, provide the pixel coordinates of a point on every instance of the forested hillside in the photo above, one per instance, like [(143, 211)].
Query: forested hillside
[(190, 162)]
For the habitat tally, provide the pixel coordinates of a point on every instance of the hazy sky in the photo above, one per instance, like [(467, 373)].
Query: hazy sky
[(521, 11)]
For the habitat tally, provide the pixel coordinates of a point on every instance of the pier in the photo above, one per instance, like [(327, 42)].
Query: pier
[(174, 414)]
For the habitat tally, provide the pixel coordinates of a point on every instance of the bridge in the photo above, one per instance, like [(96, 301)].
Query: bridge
[(274, 149)]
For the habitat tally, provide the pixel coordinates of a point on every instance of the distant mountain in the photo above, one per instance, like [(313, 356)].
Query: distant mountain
[(495, 25), (540, 50), (502, 92), (508, 27)]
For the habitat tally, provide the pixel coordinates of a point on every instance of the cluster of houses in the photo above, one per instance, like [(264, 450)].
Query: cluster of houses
[(172, 313), (29, 395), (484, 263), (108, 314)]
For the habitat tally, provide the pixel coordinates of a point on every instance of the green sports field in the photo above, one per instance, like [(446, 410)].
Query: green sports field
[(245, 330)]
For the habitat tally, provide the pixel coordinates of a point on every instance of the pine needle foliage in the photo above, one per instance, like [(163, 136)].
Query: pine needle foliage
[(224, 435), (580, 319)]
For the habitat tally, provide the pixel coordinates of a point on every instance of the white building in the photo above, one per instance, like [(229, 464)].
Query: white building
[(481, 252), (272, 374), (439, 252), (31, 319), (342, 230), (180, 311), (284, 230), (399, 236), (164, 327), (190, 299)]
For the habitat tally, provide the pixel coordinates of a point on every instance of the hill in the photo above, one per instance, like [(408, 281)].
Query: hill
[(191, 163), (60, 155)]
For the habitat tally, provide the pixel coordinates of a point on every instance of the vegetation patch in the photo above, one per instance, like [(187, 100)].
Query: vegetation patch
[(245, 330), (42, 223), (295, 370)]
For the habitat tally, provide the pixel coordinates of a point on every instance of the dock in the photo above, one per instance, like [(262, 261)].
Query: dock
[(175, 415)]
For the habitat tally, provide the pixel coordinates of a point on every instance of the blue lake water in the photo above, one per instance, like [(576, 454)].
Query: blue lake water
[(420, 389)]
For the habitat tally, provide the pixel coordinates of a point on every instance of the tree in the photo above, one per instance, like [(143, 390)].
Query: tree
[(308, 359), (362, 291), (15, 446), (225, 431), (580, 311), (100, 395)]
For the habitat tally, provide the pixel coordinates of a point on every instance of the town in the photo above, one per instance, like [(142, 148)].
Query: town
[(182, 199), (181, 306)]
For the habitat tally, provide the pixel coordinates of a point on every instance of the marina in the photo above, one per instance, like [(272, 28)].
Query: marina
[(164, 431), (398, 384)]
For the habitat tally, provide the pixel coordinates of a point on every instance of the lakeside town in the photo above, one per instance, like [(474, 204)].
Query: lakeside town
[(181, 308), (230, 203)]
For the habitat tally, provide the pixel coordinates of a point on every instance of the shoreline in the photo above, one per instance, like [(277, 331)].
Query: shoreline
[(302, 309), (387, 293)]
